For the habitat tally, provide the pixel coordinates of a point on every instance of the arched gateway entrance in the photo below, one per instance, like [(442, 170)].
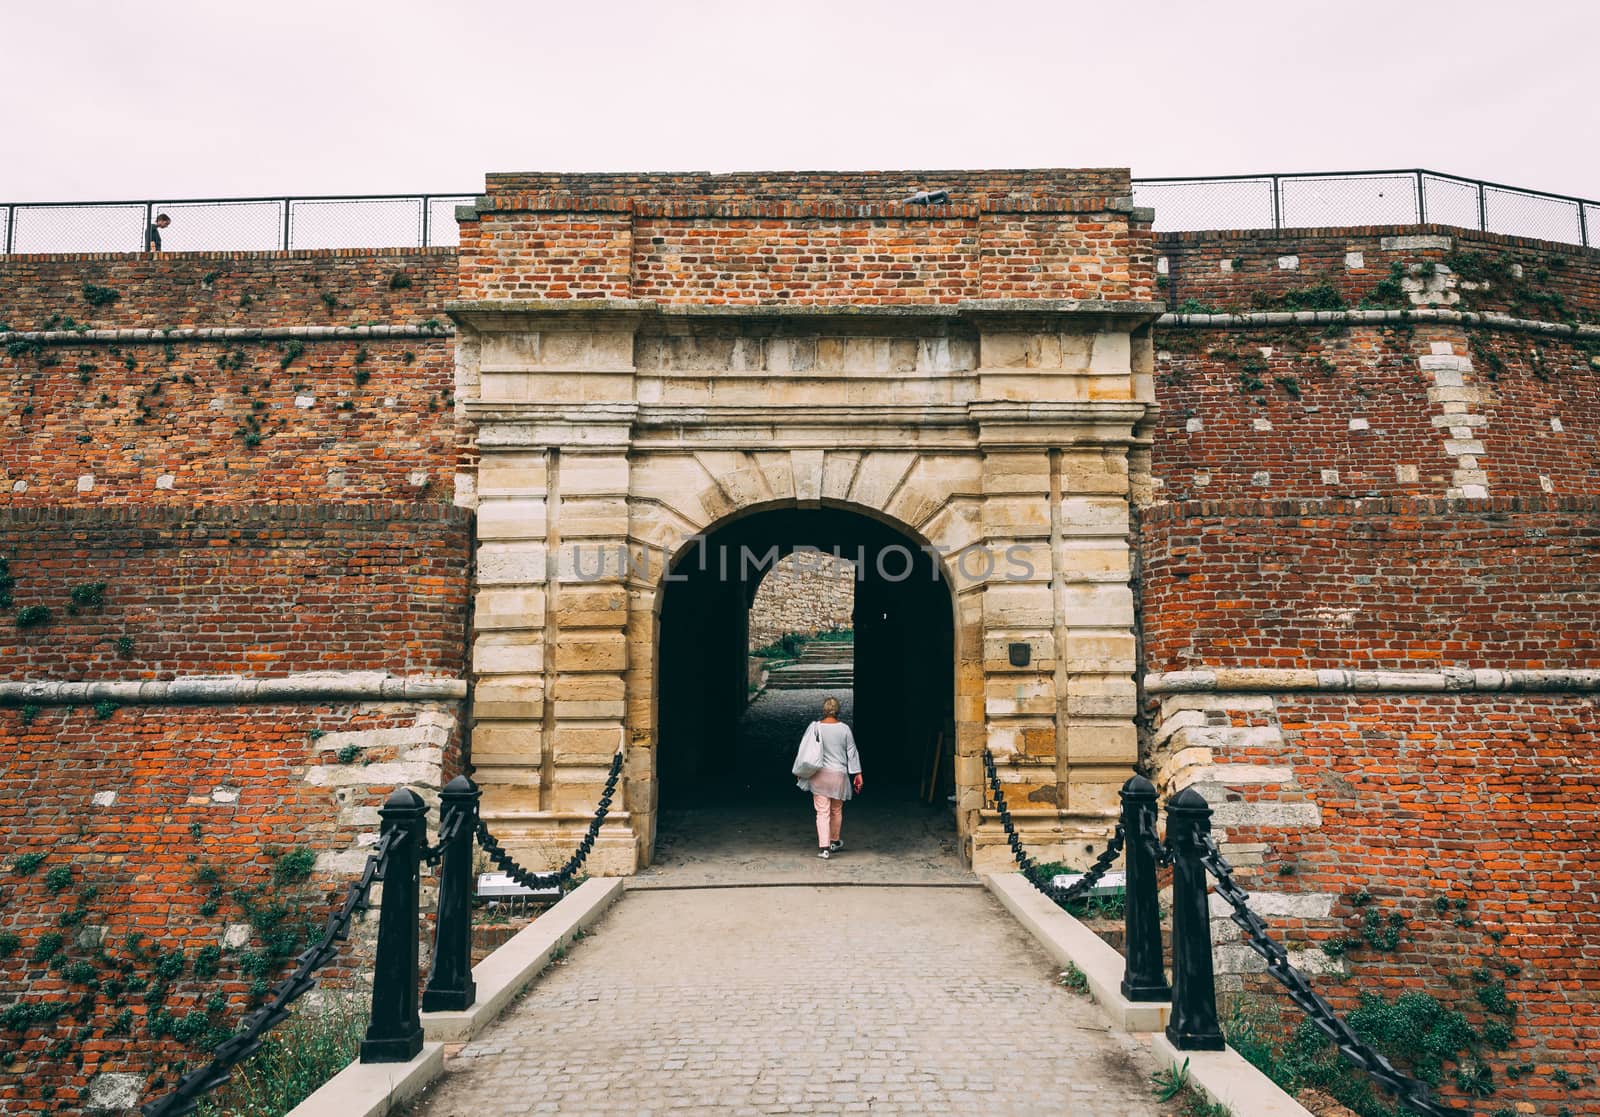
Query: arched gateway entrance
[(904, 657), (648, 361)]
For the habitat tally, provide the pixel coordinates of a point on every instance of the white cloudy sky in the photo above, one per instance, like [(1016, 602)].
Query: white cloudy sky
[(115, 100)]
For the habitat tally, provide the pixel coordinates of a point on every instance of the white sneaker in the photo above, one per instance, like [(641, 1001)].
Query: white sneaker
[(822, 853)]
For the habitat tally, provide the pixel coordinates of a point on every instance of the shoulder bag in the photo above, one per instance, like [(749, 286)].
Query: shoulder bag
[(808, 760)]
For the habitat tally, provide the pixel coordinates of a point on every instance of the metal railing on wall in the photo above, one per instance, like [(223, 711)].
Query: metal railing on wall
[(235, 224), (1267, 201), (1405, 197)]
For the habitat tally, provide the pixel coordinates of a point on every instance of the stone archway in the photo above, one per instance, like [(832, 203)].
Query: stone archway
[(611, 431)]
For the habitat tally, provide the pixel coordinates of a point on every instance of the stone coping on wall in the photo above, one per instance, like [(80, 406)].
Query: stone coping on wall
[(230, 333), (492, 312), (233, 254), (1268, 680), (233, 515), (305, 686), (1374, 507), (789, 210), (1179, 238), (1378, 318)]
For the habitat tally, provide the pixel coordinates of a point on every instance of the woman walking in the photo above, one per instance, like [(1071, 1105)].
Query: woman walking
[(838, 775)]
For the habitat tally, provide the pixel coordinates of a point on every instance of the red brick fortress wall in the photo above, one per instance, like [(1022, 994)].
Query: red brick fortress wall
[(323, 287), (327, 381), (218, 472), (807, 239), (254, 589), (1383, 363), (1367, 599), (1372, 585), (155, 820), (1239, 271)]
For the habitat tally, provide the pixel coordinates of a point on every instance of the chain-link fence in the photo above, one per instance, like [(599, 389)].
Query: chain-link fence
[(411, 220)]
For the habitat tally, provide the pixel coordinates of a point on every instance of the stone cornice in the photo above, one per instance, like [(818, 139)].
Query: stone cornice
[(766, 209), (1377, 318), (509, 314), (227, 333), (1340, 681), (239, 690)]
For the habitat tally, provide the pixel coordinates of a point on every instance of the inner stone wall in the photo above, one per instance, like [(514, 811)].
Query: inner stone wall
[(807, 594)]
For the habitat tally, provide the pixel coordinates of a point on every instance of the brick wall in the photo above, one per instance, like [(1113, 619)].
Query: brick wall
[(330, 287), (262, 590), (806, 239), (1468, 816), (1542, 407), (134, 806), (1375, 584), (1298, 412), (1265, 270), (187, 421), (344, 421)]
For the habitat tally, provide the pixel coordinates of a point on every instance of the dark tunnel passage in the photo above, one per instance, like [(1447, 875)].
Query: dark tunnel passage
[(904, 662)]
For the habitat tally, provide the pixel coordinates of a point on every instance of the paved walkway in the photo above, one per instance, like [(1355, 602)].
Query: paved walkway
[(801, 1000), (733, 978), (768, 835)]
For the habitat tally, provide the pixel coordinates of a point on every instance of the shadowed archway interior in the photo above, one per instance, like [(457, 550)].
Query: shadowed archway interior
[(904, 660)]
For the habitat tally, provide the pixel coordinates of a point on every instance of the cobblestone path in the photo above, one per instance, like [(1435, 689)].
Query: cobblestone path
[(800, 1000), (767, 836)]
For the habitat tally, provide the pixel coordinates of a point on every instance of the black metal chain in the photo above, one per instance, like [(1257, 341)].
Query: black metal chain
[(1159, 850), (1079, 888), (1411, 1093), (451, 817), (242, 1044), (540, 882)]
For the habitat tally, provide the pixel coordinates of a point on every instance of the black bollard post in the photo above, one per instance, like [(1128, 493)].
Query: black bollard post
[(395, 1033), (1143, 978), (450, 985), (1193, 1026)]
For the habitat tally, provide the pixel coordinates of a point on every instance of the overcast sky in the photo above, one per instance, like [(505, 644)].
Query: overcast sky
[(116, 100)]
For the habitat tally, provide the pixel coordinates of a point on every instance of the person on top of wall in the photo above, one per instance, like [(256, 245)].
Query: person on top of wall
[(829, 748), (152, 234)]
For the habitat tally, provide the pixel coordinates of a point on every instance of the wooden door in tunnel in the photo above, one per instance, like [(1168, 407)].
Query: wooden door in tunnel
[(904, 661)]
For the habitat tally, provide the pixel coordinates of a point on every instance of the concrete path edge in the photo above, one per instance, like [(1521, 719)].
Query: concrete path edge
[(1226, 1077), (1229, 1079), (1068, 941), (513, 967), (374, 1089)]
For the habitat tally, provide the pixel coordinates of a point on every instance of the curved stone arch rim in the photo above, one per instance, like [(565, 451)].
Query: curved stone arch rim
[(795, 504)]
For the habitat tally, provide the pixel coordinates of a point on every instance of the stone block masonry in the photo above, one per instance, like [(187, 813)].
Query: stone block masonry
[(802, 596)]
